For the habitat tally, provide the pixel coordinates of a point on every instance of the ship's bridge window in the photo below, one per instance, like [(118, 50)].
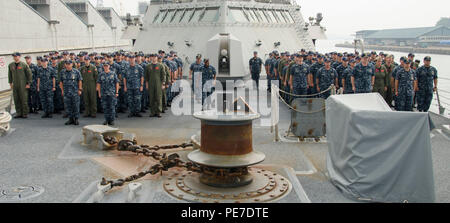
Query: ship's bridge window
[(288, 16), (187, 15), (211, 15), (271, 16), (276, 16), (261, 15), (238, 15), (160, 16), (196, 16), (280, 17), (169, 16), (249, 14), (266, 14), (177, 16), (258, 18)]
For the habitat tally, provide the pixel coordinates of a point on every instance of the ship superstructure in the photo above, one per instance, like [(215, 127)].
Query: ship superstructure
[(226, 31)]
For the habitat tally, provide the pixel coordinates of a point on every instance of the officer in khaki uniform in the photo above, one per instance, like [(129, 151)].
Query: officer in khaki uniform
[(89, 73), (20, 78)]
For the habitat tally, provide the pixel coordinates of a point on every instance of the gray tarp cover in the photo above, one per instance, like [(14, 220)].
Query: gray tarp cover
[(376, 154)]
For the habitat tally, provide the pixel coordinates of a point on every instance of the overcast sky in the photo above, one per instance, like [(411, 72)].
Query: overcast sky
[(344, 17)]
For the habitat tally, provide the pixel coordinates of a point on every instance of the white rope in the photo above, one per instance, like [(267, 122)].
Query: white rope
[(310, 95)]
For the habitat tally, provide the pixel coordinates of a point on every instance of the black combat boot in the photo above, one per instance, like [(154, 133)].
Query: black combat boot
[(138, 115), (105, 123), (45, 115), (70, 122), (111, 123), (49, 115), (130, 115), (75, 122)]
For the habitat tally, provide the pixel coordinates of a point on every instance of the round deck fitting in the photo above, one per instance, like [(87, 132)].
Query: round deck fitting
[(221, 161), (266, 187), (226, 140), (20, 193)]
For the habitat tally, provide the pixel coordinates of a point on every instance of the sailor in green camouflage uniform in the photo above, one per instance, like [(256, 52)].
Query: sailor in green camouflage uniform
[(19, 78), (89, 74), (155, 81)]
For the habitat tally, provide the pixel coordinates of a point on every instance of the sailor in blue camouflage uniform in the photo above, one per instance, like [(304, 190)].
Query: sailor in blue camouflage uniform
[(195, 72), (346, 81), (255, 65), (144, 96), (267, 69), (405, 84), (427, 75), (122, 99), (71, 84), (208, 75), (340, 71), (314, 68), (173, 67), (363, 76), (134, 86), (326, 76), (300, 76), (179, 62), (33, 95), (274, 67), (46, 86), (58, 99), (108, 90), (397, 69)]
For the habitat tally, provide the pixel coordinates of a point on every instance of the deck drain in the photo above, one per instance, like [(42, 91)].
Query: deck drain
[(20, 193)]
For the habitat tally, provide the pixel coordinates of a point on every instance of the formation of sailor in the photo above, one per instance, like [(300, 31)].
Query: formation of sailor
[(74, 83), (310, 74)]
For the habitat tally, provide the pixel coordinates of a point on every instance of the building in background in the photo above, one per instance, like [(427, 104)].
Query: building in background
[(421, 37)]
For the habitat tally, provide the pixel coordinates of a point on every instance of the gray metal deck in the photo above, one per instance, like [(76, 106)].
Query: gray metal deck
[(44, 152)]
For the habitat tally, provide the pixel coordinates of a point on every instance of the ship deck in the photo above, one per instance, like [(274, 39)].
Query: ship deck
[(45, 153)]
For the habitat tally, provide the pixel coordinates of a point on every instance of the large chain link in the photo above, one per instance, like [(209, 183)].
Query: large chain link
[(165, 162)]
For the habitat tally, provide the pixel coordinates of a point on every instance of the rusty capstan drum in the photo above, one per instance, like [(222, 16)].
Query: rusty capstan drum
[(226, 148)]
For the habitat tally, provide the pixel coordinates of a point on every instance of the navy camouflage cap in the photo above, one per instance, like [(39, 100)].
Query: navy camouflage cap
[(352, 61), (44, 60), (106, 64), (87, 58), (16, 54), (364, 55), (339, 55), (255, 52), (344, 59), (199, 56), (68, 62), (411, 55), (39, 58), (54, 58), (404, 59), (327, 60), (427, 58), (27, 57)]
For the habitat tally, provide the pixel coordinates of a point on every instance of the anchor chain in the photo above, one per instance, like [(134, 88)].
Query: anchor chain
[(165, 162)]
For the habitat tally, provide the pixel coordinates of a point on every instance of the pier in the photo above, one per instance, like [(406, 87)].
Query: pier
[(403, 49)]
